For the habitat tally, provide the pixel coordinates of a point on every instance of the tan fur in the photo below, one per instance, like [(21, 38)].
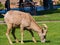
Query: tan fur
[(23, 20)]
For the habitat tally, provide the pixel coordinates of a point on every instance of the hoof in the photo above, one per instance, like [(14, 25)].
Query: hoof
[(22, 42), (43, 41), (34, 40), (11, 43), (17, 41)]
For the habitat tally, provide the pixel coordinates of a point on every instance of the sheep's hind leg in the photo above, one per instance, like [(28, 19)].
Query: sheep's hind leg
[(9, 27), (13, 33)]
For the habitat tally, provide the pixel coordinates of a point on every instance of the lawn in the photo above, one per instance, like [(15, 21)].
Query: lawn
[(53, 35), (48, 17)]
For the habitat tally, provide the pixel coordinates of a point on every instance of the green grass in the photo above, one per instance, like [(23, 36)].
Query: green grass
[(1, 19), (53, 35), (48, 17)]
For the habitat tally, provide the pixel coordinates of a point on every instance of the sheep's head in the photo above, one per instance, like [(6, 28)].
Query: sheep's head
[(44, 32)]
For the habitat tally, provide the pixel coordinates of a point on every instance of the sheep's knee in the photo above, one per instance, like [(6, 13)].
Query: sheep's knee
[(7, 34)]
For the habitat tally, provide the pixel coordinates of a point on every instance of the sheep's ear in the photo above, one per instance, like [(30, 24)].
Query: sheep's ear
[(3, 14)]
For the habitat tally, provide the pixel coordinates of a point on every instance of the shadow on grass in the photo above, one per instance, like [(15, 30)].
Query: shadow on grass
[(48, 12), (48, 41), (26, 41)]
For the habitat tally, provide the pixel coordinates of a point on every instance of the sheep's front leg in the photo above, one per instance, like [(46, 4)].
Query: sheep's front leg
[(22, 34), (32, 36)]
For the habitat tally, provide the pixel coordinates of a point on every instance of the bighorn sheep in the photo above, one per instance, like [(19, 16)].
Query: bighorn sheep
[(23, 20)]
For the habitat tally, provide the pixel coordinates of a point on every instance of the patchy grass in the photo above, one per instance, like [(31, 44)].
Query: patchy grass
[(53, 35)]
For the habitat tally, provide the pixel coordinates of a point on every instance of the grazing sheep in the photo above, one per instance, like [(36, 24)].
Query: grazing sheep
[(24, 21)]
